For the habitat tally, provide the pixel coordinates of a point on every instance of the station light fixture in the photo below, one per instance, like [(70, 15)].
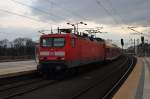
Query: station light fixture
[(76, 26)]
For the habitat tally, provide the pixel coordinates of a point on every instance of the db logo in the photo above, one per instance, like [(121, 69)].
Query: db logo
[(52, 49), (51, 53)]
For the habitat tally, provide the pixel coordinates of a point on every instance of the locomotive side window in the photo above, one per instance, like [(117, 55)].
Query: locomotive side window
[(59, 42), (73, 43)]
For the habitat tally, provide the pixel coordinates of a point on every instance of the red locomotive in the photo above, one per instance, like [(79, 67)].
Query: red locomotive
[(64, 51)]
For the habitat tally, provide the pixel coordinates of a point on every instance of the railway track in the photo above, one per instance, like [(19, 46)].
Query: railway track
[(131, 64), (16, 79), (123, 68), (16, 89), (112, 90)]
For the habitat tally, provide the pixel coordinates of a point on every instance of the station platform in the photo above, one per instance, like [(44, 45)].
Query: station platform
[(137, 85), (9, 69), (146, 94)]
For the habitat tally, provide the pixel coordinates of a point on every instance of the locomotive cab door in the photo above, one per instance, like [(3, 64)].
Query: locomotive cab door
[(74, 52)]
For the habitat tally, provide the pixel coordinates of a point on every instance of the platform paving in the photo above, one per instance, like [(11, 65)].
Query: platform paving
[(133, 86), (7, 68), (146, 94)]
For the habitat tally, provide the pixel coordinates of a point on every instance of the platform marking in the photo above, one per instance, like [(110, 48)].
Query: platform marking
[(146, 92)]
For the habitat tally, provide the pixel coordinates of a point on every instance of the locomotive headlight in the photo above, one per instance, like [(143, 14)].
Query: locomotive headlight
[(44, 53), (60, 53)]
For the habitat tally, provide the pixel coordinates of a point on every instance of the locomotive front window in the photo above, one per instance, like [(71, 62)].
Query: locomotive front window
[(59, 42), (47, 42), (53, 42)]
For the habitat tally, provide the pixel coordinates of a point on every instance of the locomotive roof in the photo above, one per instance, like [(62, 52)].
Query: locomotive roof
[(74, 35), (109, 44), (55, 35)]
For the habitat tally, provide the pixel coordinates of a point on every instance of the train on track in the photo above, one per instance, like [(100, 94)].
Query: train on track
[(62, 51)]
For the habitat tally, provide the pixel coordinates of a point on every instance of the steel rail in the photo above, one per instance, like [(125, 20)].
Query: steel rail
[(18, 84), (118, 82), (94, 85), (28, 90)]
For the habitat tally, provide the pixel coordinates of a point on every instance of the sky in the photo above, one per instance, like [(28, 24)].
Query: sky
[(24, 18)]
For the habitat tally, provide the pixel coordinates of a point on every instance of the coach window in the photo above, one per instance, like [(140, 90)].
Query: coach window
[(73, 43), (107, 50)]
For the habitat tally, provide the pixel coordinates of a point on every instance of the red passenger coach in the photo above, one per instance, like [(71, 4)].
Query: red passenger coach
[(112, 51), (62, 51)]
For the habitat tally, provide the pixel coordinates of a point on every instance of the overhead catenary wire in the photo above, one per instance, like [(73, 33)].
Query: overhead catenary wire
[(107, 11), (55, 17), (24, 16), (21, 15), (137, 32), (115, 11), (122, 21), (69, 11)]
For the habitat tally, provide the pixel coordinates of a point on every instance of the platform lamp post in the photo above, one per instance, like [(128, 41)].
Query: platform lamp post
[(73, 26), (78, 25)]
